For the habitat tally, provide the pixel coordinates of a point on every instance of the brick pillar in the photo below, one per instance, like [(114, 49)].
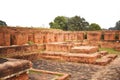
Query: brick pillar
[(19, 38), (109, 36), (4, 39), (94, 36), (80, 36)]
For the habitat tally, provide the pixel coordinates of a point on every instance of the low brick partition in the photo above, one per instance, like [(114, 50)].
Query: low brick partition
[(84, 49), (14, 69), (27, 56), (22, 76), (47, 75), (17, 48)]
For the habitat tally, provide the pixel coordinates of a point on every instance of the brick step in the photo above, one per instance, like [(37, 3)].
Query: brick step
[(84, 49), (99, 58), (103, 53), (112, 56), (70, 54), (105, 59), (71, 57)]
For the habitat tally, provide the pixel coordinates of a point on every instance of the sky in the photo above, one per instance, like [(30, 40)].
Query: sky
[(38, 13)]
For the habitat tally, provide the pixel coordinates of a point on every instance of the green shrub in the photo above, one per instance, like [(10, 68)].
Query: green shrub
[(30, 42)]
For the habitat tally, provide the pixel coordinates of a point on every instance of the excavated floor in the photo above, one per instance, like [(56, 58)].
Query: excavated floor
[(78, 71)]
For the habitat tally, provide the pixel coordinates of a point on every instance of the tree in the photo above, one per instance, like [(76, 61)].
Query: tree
[(117, 26), (60, 22), (2, 23), (94, 26), (77, 23)]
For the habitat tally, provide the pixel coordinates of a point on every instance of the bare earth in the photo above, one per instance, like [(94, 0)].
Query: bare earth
[(78, 71)]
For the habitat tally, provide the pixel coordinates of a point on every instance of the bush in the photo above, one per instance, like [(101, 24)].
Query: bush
[(30, 42)]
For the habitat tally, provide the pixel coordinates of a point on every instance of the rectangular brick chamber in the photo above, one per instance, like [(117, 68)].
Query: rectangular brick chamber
[(12, 69)]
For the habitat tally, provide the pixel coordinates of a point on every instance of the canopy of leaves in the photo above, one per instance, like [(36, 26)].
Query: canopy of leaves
[(2, 23), (94, 26), (60, 22), (117, 26), (75, 23)]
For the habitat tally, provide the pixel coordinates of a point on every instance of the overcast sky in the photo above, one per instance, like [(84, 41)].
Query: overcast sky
[(40, 12)]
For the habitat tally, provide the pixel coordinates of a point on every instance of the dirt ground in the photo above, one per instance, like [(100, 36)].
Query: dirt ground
[(78, 71)]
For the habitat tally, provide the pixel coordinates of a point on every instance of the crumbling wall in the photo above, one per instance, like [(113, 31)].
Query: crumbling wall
[(4, 39), (94, 36), (19, 38), (80, 36), (109, 36)]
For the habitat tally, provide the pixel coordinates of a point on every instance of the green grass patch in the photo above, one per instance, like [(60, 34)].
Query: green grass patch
[(33, 72), (110, 50)]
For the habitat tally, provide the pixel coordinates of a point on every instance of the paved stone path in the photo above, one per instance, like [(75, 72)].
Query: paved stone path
[(78, 71)]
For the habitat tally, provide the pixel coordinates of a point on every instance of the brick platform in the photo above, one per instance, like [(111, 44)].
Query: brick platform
[(98, 58), (58, 46), (84, 49), (12, 69)]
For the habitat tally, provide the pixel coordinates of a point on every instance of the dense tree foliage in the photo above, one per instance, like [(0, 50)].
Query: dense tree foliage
[(94, 26), (75, 23), (2, 23), (117, 26), (60, 22)]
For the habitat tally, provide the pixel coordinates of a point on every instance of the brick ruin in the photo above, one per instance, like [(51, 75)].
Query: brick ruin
[(19, 36), (77, 53), (79, 46), (14, 69)]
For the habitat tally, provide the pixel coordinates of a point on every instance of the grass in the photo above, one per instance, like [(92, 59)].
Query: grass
[(33, 72), (110, 50)]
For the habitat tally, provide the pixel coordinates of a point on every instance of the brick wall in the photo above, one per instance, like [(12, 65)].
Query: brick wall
[(19, 39), (94, 36), (80, 36), (4, 39), (109, 36)]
